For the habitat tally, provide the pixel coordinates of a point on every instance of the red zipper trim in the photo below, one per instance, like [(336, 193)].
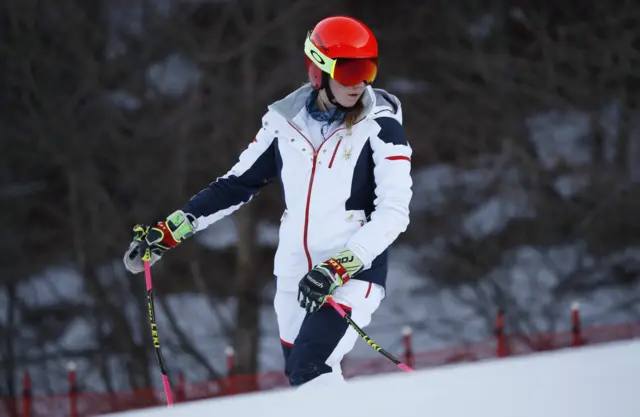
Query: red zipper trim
[(368, 291), (334, 153), (306, 215), (313, 173), (306, 210), (305, 138)]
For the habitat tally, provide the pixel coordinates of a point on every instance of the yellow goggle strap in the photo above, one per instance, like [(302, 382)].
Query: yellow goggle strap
[(325, 63)]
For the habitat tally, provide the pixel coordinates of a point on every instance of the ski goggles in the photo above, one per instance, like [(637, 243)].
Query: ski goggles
[(346, 71)]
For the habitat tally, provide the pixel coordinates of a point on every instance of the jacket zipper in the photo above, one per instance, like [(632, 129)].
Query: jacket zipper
[(306, 213), (305, 243)]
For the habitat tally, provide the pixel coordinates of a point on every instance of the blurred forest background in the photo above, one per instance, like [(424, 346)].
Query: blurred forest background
[(523, 117)]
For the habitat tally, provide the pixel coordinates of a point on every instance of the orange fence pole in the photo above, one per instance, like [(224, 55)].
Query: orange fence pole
[(501, 345), (180, 390), (408, 345), (576, 333), (231, 367), (73, 389), (26, 395)]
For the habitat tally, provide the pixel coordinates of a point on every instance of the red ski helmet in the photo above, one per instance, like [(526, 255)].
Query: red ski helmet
[(344, 49)]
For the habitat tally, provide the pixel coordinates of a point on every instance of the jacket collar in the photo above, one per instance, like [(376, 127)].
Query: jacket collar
[(377, 103), (290, 106)]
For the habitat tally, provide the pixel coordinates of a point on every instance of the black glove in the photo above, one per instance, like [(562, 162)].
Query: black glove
[(319, 283)]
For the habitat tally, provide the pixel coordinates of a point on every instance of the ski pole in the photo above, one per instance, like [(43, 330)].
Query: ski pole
[(146, 257), (366, 338)]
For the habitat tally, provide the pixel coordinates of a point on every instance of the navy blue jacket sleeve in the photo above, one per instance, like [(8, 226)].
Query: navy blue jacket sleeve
[(255, 168)]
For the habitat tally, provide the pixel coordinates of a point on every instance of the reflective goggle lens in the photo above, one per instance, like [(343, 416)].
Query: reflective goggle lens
[(352, 71)]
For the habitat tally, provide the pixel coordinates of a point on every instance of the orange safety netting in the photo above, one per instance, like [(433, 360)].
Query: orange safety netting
[(86, 404)]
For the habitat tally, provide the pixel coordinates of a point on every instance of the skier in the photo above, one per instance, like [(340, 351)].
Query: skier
[(337, 147)]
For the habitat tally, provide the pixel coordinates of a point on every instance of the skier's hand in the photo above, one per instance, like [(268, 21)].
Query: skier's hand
[(150, 243), (322, 281)]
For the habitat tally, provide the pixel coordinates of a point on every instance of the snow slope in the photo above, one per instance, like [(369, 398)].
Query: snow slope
[(597, 381)]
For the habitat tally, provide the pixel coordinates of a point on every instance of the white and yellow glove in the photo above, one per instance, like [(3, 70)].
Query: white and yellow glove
[(152, 242)]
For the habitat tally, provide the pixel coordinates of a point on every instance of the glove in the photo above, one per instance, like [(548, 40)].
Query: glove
[(151, 243), (319, 283)]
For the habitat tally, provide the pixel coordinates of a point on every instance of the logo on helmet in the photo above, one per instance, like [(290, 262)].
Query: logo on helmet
[(320, 44), (317, 57)]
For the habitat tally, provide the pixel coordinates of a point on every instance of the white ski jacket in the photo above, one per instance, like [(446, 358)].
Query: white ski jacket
[(352, 191)]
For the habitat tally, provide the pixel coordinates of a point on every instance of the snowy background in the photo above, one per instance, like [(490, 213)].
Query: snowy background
[(440, 317), (526, 172)]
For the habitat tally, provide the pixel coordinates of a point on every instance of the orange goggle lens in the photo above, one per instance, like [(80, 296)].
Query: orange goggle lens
[(352, 71)]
